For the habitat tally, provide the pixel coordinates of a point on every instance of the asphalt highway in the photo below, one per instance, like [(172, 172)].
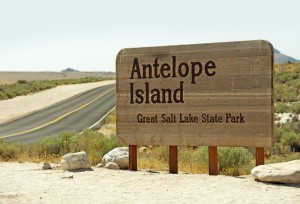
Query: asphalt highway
[(74, 114)]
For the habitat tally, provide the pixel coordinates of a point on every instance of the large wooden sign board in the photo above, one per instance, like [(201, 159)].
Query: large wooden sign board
[(218, 94)]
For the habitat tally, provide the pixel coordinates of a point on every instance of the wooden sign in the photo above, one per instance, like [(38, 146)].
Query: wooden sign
[(218, 94)]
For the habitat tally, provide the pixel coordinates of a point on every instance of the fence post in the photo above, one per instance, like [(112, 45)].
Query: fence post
[(213, 160), (260, 156), (132, 158), (173, 160)]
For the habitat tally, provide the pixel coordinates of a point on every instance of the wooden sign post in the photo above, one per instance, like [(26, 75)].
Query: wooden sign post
[(218, 94)]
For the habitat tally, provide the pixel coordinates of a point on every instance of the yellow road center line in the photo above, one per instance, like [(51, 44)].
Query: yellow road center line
[(58, 118)]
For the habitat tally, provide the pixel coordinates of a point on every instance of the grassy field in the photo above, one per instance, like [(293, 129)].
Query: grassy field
[(13, 77), (24, 87), (232, 161)]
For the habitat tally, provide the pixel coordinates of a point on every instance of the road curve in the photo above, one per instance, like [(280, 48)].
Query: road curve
[(73, 114)]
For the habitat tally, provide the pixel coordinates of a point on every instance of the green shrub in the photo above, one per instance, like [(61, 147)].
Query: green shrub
[(189, 155), (278, 134), (280, 158), (295, 108), (287, 83), (232, 159), (94, 143), (287, 138), (291, 139), (281, 107), (21, 81), (279, 150)]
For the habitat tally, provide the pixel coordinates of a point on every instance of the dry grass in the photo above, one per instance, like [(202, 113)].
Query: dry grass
[(12, 77), (108, 129), (286, 67)]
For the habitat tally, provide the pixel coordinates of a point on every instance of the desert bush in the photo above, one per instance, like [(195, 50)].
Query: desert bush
[(58, 145), (21, 81), (232, 159), (281, 107), (280, 158), (287, 83), (295, 107), (278, 134), (10, 151), (111, 118), (94, 143), (194, 160), (278, 150), (191, 155), (291, 140), (287, 138), (161, 153), (155, 158)]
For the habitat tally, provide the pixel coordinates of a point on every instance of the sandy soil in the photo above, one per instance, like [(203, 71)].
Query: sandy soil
[(22, 105), (27, 183)]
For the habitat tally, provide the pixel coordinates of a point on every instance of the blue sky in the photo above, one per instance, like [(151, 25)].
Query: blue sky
[(51, 35)]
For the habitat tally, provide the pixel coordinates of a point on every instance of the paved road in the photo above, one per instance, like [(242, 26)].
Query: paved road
[(74, 114)]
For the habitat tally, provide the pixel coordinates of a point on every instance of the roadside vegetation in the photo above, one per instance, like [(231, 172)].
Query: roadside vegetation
[(232, 161), (287, 88), (52, 149), (23, 87)]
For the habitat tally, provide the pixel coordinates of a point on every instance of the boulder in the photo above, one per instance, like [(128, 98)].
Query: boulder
[(282, 118), (118, 155), (74, 161), (285, 172)]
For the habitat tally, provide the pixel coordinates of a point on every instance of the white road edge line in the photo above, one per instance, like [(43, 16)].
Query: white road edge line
[(99, 121)]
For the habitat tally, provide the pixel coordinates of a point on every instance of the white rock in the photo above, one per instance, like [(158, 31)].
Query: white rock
[(285, 172), (119, 156), (283, 118), (111, 165), (143, 149), (73, 161)]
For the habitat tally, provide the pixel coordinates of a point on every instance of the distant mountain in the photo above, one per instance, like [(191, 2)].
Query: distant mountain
[(69, 70), (281, 58)]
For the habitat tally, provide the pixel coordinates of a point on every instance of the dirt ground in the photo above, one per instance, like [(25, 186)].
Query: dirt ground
[(28, 183)]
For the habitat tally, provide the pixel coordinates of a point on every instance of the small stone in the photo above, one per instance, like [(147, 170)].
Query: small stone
[(152, 171), (68, 177), (111, 165), (46, 166)]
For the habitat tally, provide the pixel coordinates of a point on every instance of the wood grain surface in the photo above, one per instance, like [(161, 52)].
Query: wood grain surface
[(173, 95)]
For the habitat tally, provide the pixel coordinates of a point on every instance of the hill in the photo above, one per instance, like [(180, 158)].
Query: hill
[(281, 58), (69, 70)]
